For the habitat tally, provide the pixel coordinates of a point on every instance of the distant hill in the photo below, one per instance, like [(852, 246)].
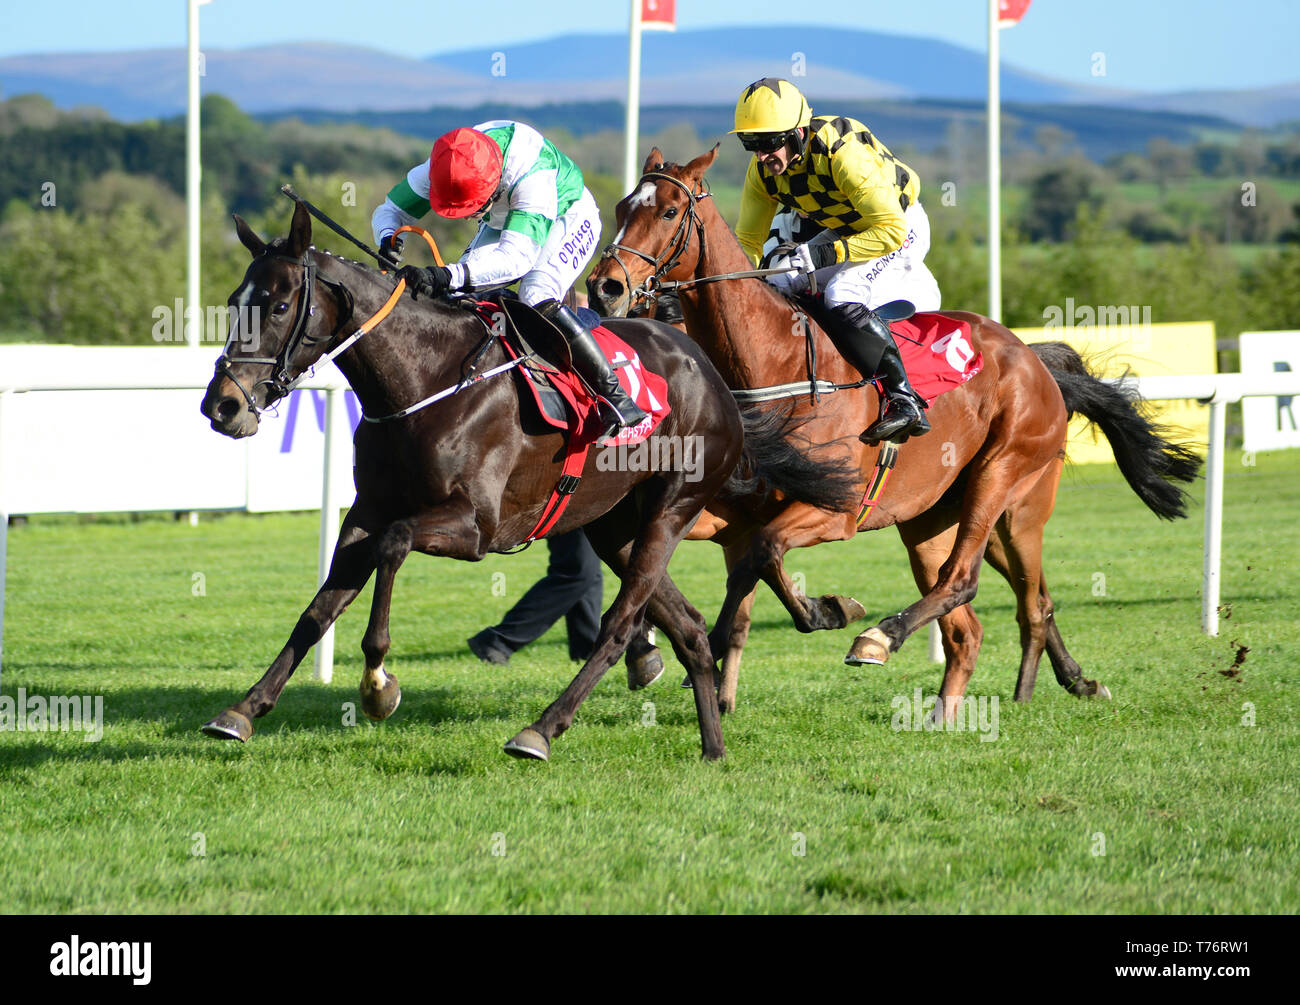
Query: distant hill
[(1098, 132), (685, 68)]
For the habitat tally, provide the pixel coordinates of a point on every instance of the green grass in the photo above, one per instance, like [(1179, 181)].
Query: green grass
[(1197, 812)]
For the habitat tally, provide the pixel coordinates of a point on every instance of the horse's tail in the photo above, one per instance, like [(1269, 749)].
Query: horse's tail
[(1150, 462), (776, 457)]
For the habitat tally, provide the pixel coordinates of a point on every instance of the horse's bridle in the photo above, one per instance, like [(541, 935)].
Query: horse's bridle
[(672, 256), (281, 382)]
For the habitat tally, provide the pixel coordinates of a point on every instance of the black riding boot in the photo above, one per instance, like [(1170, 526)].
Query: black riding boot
[(864, 339), (905, 415), (616, 407)]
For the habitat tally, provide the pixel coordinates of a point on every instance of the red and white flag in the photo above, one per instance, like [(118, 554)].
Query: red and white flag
[(659, 15), (1011, 11)]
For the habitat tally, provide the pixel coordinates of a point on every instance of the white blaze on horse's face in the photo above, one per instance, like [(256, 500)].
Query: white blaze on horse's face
[(645, 195)]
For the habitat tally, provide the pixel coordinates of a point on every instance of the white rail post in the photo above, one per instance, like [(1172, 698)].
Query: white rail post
[(1213, 516), (936, 644), (329, 525)]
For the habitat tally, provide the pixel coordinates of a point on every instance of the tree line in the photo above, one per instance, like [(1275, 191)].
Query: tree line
[(92, 222)]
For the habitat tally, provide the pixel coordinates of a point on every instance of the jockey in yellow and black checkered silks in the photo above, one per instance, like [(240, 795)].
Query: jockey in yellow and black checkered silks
[(835, 180), (843, 179)]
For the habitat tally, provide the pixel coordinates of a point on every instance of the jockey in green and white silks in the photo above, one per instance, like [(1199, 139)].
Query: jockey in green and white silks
[(538, 224)]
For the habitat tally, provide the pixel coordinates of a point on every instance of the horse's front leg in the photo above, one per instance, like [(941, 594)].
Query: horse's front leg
[(449, 530), (350, 568), (642, 566)]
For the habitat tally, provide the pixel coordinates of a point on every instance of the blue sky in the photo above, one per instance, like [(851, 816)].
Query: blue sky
[(1148, 44)]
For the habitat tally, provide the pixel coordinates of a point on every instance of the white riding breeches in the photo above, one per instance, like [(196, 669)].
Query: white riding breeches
[(900, 275)]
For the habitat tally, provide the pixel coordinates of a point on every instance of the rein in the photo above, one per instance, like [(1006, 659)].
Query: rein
[(681, 240), (669, 260)]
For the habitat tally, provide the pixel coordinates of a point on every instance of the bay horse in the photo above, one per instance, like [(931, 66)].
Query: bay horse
[(469, 474), (980, 485)]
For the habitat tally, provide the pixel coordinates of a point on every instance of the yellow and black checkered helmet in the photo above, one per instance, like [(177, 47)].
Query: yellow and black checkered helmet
[(771, 105)]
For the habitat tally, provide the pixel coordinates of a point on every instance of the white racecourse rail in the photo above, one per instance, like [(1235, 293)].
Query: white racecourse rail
[(99, 449), (119, 429)]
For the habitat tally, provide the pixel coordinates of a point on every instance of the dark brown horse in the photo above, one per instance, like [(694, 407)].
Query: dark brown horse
[(982, 484), (470, 474)]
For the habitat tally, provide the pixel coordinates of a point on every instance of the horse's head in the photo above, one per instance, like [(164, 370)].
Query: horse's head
[(659, 233), (278, 327)]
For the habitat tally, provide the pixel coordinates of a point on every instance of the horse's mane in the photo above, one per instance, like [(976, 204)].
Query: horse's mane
[(372, 274)]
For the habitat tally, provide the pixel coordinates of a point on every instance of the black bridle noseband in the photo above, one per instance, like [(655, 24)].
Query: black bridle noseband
[(281, 381)]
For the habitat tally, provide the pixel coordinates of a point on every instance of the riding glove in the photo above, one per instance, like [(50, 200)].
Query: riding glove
[(432, 282), (391, 248), (807, 258)]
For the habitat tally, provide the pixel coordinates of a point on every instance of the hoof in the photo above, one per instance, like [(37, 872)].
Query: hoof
[(871, 647), (717, 681), (849, 609), (378, 704), (1092, 689), (229, 725), (529, 744), (644, 670)]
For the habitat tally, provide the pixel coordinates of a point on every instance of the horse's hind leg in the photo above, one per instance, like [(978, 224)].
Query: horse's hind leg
[(735, 649), (929, 544), (996, 482), (1016, 551), (762, 556), (350, 568), (1009, 552)]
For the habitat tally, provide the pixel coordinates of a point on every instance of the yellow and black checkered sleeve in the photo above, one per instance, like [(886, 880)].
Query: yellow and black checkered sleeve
[(869, 183), (757, 207)]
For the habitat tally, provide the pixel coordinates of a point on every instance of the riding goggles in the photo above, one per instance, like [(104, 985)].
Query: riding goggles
[(764, 143)]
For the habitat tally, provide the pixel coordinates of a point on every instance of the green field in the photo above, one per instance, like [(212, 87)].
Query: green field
[(1178, 796)]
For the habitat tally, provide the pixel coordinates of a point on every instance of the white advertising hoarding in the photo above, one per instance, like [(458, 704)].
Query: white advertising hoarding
[(1270, 423), (98, 451)]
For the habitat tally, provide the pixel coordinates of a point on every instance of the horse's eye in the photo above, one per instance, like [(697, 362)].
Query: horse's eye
[(671, 213), (281, 307)]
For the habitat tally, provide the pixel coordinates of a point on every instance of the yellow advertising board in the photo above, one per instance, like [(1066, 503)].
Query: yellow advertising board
[(1115, 341)]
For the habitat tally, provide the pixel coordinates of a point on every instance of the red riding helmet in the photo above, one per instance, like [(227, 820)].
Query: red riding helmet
[(464, 172)]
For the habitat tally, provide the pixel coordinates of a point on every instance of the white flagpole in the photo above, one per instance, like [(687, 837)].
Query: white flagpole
[(633, 123), (193, 307), (995, 168)]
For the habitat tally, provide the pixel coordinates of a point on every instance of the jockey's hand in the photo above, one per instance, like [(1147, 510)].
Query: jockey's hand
[(805, 258), (391, 248), (432, 282), (788, 283)]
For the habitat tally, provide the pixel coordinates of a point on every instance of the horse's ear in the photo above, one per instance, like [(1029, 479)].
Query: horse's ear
[(299, 232), (702, 163), (654, 161), (247, 238)]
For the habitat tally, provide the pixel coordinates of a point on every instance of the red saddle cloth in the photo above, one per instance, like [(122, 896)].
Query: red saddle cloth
[(645, 387), (937, 353)]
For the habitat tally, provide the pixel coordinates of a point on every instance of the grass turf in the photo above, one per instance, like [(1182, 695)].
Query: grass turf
[(1179, 796)]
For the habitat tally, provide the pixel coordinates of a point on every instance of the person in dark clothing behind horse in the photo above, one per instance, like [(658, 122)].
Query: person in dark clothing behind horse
[(571, 589)]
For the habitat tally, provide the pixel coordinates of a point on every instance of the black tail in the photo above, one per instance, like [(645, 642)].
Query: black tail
[(1149, 461), (777, 457)]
